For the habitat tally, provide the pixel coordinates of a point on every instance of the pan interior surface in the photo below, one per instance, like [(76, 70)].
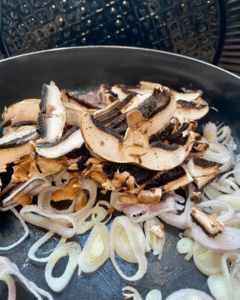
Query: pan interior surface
[(84, 69)]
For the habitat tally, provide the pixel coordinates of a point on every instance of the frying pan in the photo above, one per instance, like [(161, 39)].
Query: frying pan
[(83, 69)]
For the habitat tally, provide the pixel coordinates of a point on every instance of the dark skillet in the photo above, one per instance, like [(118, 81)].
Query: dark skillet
[(84, 69)]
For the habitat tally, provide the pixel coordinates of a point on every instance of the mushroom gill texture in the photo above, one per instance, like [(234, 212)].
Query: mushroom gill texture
[(143, 143), (53, 113), (134, 148)]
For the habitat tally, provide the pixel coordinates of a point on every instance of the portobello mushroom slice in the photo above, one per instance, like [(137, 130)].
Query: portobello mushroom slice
[(203, 181), (108, 95), (193, 110), (82, 104), (135, 147), (15, 109), (71, 140), (13, 145), (29, 116), (199, 167), (187, 96), (52, 114), (170, 180), (73, 113)]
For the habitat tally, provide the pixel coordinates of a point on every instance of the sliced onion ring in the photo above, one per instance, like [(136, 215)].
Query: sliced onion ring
[(96, 250), (6, 267), (135, 294), (72, 249), (227, 241), (23, 237), (52, 222), (39, 243), (123, 223), (189, 294)]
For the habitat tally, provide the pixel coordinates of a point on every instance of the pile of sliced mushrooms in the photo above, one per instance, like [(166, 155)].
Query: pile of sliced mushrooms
[(140, 144)]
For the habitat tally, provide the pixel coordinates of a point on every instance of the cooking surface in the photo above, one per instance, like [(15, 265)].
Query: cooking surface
[(86, 68)]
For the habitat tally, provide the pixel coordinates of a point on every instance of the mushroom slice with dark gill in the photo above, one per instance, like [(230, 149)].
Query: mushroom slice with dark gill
[(15, 109), (209, 223), (186, 96), (170, 180), (199, 167), (193, 110), (135, 147), (15, 145), (157, 111), (82, 104), (52, 116), (203, 181), (71, 140)]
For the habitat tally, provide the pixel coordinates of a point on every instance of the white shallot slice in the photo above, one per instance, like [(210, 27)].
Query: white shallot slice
[(228, 240), (72, 249), (96, 249), (11, 285), (44, 201), (233, 201), (39, 243), (210, 133), (7, 268), (184, 245), (189, 294), (123, 223), (154, 295), (227, 212), (207, 261), (230, 287), (219, 289), (23, 237), (53, 222), (123, 247), (218, 153), (152, 241), (97, 214), (135, 294)]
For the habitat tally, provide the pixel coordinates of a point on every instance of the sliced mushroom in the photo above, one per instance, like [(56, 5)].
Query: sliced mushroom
[(73, 115), (82, 104), (24, 171), (108, 96), (69, 192), (149, 197), (170, 180), (27, 116), (134, 148), (53, 115), (209, 223), (199, 167), (193, 110), (16, 108), (202, 181), (71, 140), (158, 231), (196, 198)]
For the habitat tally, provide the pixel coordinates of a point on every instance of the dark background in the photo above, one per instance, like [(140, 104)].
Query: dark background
[(203, 29)]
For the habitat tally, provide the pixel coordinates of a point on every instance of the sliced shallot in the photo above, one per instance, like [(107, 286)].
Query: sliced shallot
[(72, 249), (39, 243), (189, 294), (96, 250), (152, 241), (7, 268), (23, 237), (123, 223), (52, 222), (227, 241)]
